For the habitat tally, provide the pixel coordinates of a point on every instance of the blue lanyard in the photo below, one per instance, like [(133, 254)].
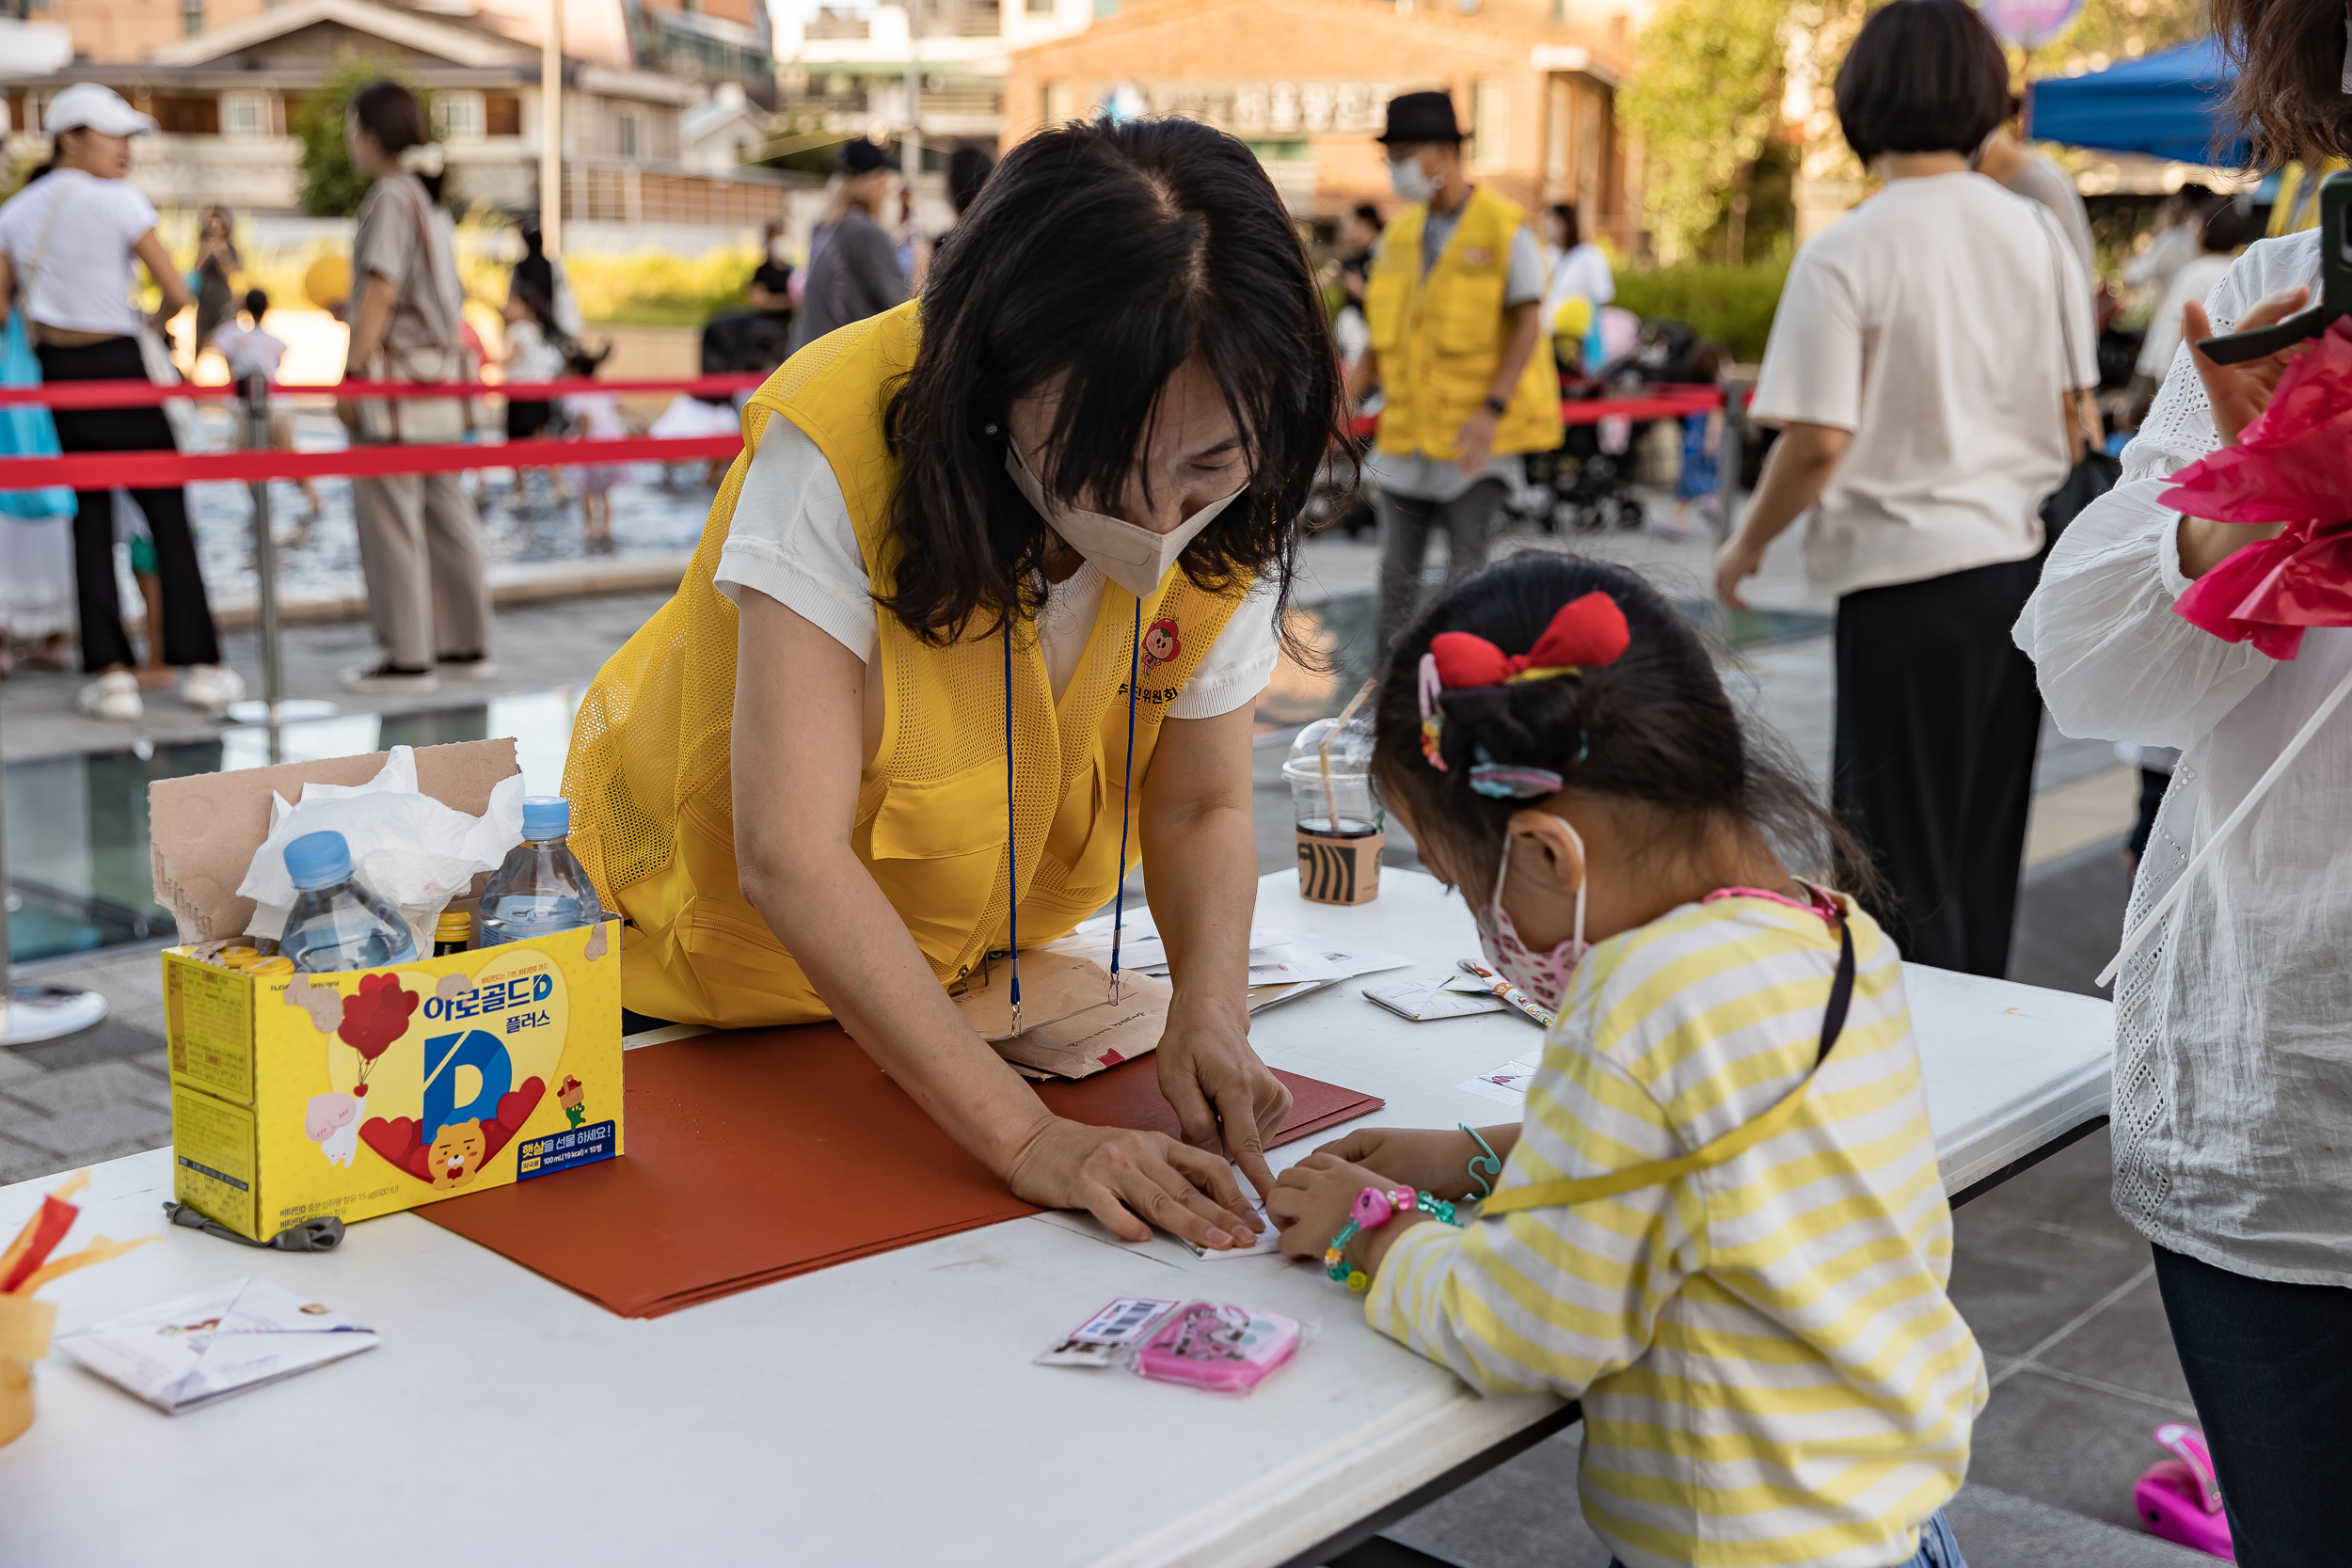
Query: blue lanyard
[(1126, 800)]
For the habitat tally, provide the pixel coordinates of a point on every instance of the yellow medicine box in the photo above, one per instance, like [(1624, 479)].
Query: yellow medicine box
[(373, 1090)]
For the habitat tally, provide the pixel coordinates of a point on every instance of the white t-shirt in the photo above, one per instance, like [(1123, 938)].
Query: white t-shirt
[(246, 349), (1584, 270), (792, 540), (82, 283), (1928, 323)]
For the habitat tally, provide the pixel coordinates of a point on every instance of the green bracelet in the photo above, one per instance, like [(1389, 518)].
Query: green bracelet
[(1491, 1164)]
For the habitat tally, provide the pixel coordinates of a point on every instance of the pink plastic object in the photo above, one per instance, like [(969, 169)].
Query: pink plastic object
[(2180, 1499), (1371, 1210), (1209, 1345)]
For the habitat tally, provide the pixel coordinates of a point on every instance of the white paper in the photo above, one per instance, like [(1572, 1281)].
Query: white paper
[(1277, 956), (1269, 1238), (186, 1353), (1426, 1001), (407, 846), (1506, 1085)]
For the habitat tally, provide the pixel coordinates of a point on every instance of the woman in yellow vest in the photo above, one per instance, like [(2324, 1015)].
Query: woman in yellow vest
[(1455, 303), (976, 624)]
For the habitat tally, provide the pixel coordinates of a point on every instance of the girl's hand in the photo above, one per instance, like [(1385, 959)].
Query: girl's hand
[(1124, 1177), (1224, 1097), (1423, 1158), (1311, 1200), (2239, 393)]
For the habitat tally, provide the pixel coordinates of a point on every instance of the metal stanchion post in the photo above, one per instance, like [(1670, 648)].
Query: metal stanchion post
[(30, 1014), (265, 549), (273, 709)]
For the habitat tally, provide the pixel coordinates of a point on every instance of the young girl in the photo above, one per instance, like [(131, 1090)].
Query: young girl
[(596, 415), (1752, 1306)]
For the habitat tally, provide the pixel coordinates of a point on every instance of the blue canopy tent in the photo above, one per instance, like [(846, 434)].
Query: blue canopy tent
[(2167, 105)]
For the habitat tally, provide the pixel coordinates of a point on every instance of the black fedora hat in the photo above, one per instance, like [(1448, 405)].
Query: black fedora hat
[(860, 156), (1419, 116)]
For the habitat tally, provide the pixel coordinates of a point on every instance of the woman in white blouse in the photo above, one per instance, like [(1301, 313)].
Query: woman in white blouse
[(2233, 1119)]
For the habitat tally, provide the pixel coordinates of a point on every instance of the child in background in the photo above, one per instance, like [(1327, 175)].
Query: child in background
[(597, 417), (1752, 1306), (1701, 479), (247, 350), (532, 354)]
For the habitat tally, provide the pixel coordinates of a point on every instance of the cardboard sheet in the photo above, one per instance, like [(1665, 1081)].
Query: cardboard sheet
[(766, 1153)]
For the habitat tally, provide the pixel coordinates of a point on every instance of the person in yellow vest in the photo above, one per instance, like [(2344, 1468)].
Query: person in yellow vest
[(1455, 303), (978, 624)]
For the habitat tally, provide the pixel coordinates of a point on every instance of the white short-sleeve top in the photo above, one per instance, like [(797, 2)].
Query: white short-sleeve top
[(792, 540), (69, 235)]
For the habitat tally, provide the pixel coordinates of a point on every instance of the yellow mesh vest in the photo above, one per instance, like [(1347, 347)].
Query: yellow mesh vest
[(1440, 337), (652, 789)]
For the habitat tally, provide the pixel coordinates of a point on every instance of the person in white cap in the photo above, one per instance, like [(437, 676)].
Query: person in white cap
[(67, 239)]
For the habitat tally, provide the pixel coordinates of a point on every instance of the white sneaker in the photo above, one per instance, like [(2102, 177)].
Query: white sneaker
[(211, 687), (381, 679), (113, 698)]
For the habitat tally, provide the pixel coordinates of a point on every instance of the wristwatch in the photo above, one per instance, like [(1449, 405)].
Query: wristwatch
[(1496, 407)]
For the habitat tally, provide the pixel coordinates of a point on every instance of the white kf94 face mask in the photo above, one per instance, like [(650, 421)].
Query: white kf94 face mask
[(1131, 556)]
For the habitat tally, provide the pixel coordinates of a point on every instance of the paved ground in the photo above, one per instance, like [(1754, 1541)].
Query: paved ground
[(2058, 1289)]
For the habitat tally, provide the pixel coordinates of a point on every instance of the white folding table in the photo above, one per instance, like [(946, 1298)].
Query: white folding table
[(883, 1412)]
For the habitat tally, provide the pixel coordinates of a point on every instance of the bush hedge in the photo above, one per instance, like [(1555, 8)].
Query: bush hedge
[(1732, 306)]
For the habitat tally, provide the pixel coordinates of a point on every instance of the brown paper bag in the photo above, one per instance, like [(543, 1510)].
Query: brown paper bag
[(1069, 1026)]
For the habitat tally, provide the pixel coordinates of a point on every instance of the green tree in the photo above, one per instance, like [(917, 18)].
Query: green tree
[(327, 185), (1705, 95)]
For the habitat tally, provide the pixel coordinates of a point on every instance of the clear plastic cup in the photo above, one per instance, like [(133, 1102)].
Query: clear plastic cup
[(1341, 827)]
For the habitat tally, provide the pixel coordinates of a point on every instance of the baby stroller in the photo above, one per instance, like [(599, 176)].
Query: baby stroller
[(1586, 483)]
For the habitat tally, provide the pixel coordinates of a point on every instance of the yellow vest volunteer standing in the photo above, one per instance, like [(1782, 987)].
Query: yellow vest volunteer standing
[(1440, 335), (650, 776)]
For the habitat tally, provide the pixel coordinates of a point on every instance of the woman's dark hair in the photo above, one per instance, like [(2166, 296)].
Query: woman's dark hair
[(968, 169), (1098, 258), (533, 298), (1922, 76), (1571, 232), (391, 113), (256, 305), (2289, 89), (1653, 727)]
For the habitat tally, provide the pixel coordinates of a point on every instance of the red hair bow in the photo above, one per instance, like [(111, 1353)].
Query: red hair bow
[(1590, 630)]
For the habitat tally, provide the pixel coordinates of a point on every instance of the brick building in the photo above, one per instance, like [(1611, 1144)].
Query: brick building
[(1307, 83)]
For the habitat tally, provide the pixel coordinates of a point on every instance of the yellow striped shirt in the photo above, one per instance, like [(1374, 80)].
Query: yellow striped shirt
[(1771, 1370)]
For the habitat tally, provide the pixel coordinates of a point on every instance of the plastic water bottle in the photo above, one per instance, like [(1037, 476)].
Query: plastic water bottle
[(338, 921), (541, 887)]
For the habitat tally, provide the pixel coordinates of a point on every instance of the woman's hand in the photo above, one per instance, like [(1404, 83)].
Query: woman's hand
[(1741, 559), (1475, 441), (2239, 393), (1223, 1095), (1125, 1177), (1311, 1202), (1433, 1161)]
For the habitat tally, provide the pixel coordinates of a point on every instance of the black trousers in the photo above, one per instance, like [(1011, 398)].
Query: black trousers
[(1938, 716), (2270, 1368), (189, 637)]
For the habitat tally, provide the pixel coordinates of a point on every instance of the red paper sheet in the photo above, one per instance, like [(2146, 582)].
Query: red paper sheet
[(761, 1154)]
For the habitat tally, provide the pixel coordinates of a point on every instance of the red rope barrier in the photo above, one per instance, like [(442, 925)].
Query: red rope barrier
[(146, 394), (1666, 403), (132, 470)]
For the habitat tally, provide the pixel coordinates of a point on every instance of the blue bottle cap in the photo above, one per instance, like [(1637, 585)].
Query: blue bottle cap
[(318, 860), (546, 816)]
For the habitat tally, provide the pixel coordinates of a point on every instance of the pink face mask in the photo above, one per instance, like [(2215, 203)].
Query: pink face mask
[(1544, 976)]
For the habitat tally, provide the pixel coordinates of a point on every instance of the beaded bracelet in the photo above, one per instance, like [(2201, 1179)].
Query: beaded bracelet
[(1374, 1208)]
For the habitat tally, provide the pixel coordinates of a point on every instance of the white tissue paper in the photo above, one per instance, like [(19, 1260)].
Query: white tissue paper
[(407, 846)]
